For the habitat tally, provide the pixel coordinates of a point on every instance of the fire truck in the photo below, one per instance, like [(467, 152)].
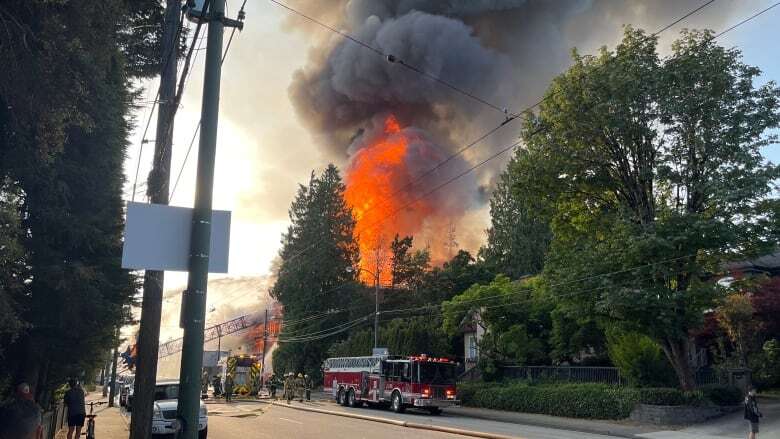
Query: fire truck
[(245, 370), (395, 381)]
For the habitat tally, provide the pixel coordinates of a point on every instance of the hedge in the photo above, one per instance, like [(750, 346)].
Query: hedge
[(722, 395), (584, 400), (598, 401)]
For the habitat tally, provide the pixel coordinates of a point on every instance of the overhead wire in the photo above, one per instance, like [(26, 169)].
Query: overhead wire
[(241, 13), (524, 290), (389, 57), (168, 58), (547, 97), (506, 122)]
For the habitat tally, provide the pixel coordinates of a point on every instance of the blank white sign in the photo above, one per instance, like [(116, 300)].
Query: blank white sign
[(157, 237)]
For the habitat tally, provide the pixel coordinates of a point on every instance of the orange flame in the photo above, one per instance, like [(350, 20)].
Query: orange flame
[(377, 190), (256, 333)]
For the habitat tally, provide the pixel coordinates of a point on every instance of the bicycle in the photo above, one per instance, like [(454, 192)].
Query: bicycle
[(91, 418)]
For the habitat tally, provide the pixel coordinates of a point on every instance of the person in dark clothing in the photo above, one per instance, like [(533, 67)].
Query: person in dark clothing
[(20, 418), (228, 388), (217, 386), (272, 384), (74, 401), (307, 386), (752, 414)]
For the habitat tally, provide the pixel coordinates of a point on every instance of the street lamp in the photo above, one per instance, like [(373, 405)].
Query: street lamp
[(376, 300)]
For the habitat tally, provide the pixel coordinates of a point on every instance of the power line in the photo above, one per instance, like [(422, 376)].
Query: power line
[(524, 290), (479, 139), (395, 60), (241, 15), (756, 15), (171, 55), (531, 134)]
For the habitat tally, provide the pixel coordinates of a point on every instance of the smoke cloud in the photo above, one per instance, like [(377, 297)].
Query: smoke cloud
[(505, 52)]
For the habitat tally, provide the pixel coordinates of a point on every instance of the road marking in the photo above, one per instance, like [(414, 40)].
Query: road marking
[(291, 420)]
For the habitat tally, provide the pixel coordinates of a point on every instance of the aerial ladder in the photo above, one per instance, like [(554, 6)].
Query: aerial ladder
[(211, 333)]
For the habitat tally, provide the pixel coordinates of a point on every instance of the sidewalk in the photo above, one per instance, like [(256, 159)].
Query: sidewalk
[(109, 422), (610, 428)]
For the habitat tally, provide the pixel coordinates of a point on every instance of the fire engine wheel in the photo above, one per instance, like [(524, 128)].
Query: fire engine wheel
[(351, 402), (340, 397), (395, 403)]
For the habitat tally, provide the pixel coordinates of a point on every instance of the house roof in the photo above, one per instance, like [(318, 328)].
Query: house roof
[(769, 264)]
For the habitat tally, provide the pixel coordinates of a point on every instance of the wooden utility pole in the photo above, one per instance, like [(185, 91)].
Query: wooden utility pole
[(265, 343), (112, 382), (157, 190)]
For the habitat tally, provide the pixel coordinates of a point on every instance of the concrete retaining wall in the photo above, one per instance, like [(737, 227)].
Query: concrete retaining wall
[(677, 415)]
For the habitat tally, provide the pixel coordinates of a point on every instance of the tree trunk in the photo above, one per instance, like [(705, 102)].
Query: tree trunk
[(677, 353)]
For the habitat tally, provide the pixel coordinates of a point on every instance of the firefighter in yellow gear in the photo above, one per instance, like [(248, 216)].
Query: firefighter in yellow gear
[(289, 383), (299, 385)]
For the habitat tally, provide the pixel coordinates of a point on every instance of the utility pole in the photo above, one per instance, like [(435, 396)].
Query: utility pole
[(193, 307), (112, 383), (265, 342), (376, 309), (157, 189)]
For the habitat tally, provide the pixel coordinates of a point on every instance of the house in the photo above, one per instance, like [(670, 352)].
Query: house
[(473, 330)]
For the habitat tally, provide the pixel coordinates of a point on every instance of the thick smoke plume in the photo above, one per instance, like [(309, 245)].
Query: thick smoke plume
[(504, 52)]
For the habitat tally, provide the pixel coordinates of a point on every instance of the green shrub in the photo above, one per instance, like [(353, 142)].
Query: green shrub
[(597, 401), (668, 396), (639, 359), (722, 395)]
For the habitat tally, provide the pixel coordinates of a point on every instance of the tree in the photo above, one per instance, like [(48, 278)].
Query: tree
[(402, 336), (515, 316), (658, 165), (735, 316), (66, 95), (519, 233), (407, 268), (319, 259)]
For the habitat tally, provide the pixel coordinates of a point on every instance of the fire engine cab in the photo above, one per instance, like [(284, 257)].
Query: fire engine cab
[(400, 382)]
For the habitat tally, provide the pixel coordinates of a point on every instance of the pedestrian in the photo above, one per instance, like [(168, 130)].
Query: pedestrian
[(272, 385), (307, 384), (74, 401), (229, 388), (20, 418), (752, 414), (23, 392), (299, 387)]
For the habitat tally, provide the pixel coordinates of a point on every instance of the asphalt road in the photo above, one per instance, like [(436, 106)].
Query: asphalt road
[(250, 420)]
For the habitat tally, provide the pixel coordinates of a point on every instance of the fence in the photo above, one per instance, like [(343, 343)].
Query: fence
[(575, 374), (53, 421), (583, 374)]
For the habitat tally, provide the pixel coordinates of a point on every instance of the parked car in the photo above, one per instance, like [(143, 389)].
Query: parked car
[(166, 394)]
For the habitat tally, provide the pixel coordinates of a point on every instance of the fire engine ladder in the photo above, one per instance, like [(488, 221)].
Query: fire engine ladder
[(210, 333)]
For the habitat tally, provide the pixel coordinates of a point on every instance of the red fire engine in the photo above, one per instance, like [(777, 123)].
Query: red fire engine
[(418, 381)]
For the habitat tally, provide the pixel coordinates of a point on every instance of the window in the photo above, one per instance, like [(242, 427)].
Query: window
[(170, 391), (472, 353)]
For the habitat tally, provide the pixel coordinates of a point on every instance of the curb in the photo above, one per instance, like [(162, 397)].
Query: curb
[(406, 424)]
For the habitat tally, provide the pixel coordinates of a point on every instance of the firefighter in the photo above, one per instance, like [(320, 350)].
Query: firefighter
[(288, 387), (204, 384), (299, 385), (272, 385), (217, 383), (307, 384)]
